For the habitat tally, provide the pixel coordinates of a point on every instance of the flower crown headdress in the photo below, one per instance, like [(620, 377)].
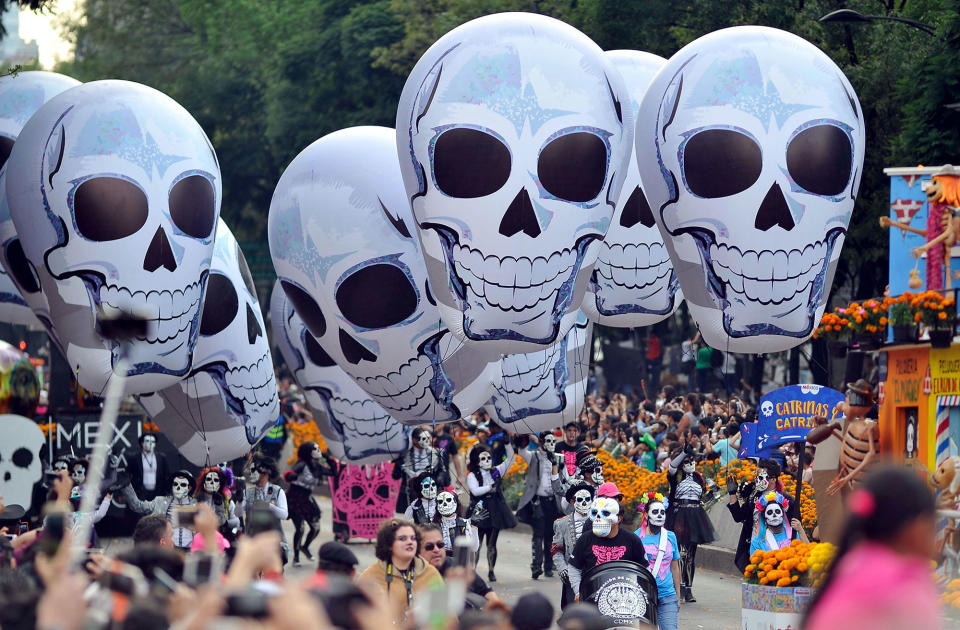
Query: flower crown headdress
[(767, 498), (654, 497)]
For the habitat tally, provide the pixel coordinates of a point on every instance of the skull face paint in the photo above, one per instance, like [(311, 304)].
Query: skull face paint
[(180, 488), (656, 514), (211, 483), (633, 282), (510, 238), (485, 461), (149, 444), (428, 489), (60, 465), (596, 476), (773, 515), (131, 188), (549, 442), (78, 474), (604, 513), (582, 502), (446, 504), (317, 453), (759, 140), (762, 480), (425, 440), (253, 476), (342, 242), (689, 467)]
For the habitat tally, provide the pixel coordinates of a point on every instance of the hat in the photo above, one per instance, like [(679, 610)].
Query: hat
[(332, 551), (532, 612), (647, 439), (608, 489), (860, 393), (577, 487)]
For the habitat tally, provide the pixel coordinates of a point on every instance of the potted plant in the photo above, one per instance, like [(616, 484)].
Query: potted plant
[(868, 322), (901, 318), (834, 328), (938, 313)]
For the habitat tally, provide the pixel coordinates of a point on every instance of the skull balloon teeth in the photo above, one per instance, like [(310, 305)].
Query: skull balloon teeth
[(643, 269), (175, 310), (360, 420)]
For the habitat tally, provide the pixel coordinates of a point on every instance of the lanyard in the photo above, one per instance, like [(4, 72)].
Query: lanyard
[(407, 579)]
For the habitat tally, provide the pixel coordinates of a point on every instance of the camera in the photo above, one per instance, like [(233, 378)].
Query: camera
[(200, 568), (250, 604), (262, 520), (184, 517)]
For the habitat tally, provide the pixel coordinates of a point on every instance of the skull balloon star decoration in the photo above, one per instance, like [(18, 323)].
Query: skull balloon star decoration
[(759, 142), (604, 513), (514, 142), (446, 504)]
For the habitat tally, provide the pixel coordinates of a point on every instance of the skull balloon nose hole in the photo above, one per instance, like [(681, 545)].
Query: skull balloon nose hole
[(774, 211), (636, 210), (353, 350), (520, 217), (159, 254), (253, 326)]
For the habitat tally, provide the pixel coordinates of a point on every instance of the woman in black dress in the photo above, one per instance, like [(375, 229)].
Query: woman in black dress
[(686, 517), (488, 507), (306, 475)]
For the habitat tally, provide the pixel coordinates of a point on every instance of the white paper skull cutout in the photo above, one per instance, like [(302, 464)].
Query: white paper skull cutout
[(582, 502), (428, 489), (544, 389), (131, 188), (549, 442), (485, 461), (633, 282), (446, 504), (657, 514), (180, 488), (759, 141), (211, 482), (604, 513), (229, 400), (514, 138), (355, 427), (20, 465), (762, 480), (21, 95), (342, 244), (766, 407), (773, 515)]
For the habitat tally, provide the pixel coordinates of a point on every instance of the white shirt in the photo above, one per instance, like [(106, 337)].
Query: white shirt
[(149, 470)]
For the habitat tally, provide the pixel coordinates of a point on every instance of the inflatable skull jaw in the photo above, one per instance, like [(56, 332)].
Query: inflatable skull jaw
[(131, 186), (633, 282), (605, 513), (391, 342), (755, 243), (20, 464), (557, 146)]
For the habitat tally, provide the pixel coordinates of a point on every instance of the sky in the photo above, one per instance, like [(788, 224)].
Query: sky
[(45, 29)]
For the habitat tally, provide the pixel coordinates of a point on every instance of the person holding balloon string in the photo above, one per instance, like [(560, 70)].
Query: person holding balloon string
[(773, 531)]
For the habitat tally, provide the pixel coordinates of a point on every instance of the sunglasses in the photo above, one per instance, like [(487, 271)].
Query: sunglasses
[(432, 546)]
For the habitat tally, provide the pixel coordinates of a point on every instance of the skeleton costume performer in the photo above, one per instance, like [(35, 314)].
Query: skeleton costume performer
[(488, 508), (451, 523), (148, 470), (306, 475), (663, 556), (742, 506), (567, 530), (539, 506), (213, 488), (261, 492), (421, 457), (423, 508), (686, 517), (179, 497), (773, 531)]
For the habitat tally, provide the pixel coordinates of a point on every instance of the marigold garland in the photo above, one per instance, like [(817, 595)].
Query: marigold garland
[(304, 431), (800, 564), (951, 595)]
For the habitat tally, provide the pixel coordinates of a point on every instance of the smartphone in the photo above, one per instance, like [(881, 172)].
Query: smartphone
[(249, 604), (339, 598), (262, 520), (184, 517), (463, 552), (24, 526), (54, 526), (201, 568)]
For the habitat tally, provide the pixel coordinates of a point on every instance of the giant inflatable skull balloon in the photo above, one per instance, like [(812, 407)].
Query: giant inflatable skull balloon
[(229, 400), (21, 95), (356, 427), (514, 134), (342, 243), (545, 389), (633, 282), (114, 184), (759, 140)]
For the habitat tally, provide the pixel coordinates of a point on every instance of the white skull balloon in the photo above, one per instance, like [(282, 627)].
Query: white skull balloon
[(759, 141), (446, 504), (20, 464), (131, 189), (633, 282), (342, 243), (773, 515), (605, 514), (230, 395), (544, 389), (211, 483), (514, 140), (355, 427), (21, 95)]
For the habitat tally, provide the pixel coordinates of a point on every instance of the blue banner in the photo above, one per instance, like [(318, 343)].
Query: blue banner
[(748, 442), (786, 414)]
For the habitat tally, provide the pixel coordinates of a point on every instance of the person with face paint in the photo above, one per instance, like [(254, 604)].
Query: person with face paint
[(488, 507), (451, 523), (773, 531), (742, 505), (166, 505), (567, 531), (213, 488), (686, 517), (306, 475), (664, 555), (422, 457), (539, 505), (423, 509), (605, 542), (148, 470)]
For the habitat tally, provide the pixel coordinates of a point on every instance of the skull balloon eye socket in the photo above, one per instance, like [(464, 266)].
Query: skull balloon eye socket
[(306, 308), (21, 269), (223, 302), (469, 163), (819, 159), (573, 167), (377, 296), (22, 457), (192, 206), (315, 353), (6, 146), (109, 208), (721, 162)]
